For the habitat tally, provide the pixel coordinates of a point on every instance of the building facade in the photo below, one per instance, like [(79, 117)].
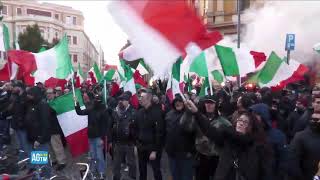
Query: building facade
[(221, 15), (54, 21)]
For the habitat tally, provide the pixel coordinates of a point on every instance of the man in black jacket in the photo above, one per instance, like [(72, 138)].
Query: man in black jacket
[(37, 122), (149, 134), (18, 111), (305, 147), (98, 119), (121, 139)]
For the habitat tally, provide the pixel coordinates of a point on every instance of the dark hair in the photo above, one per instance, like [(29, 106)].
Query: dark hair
[(246, 101), (257, 130)]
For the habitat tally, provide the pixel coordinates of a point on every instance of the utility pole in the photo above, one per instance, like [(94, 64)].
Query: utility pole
[(238, 34)]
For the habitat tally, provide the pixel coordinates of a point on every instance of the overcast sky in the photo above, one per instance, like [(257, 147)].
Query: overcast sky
[(99, 26)]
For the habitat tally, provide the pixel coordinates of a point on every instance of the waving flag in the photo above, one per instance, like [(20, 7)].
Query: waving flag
[(277, 73), (74, 127), (161, 30), (95, 74), (54, 62)]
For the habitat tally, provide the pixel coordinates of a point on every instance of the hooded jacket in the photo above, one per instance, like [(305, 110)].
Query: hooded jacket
[(37, 119), (180, 138), (275, 137)]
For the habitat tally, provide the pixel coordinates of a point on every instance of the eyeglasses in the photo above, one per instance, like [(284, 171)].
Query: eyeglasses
[(244, 121)]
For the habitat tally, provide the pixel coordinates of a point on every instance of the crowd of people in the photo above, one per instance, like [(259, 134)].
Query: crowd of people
[(242, 134)]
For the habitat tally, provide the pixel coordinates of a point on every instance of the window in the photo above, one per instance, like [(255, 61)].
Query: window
[(4, 10), (19, 11), (74, 40), (56, 16), (74, 20), (68, 20), (244, 4), (69, 39), (75, 58), (38, 12)]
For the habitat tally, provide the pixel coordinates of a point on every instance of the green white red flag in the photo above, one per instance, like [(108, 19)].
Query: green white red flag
[(74, 127)]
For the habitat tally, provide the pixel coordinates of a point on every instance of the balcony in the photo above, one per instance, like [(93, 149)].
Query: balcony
[(223, 22)]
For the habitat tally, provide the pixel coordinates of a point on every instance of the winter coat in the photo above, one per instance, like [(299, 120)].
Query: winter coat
[(37, 122), (275, 137), (180, 137), (239, 154), (304, 154), (203, 144), (98, 120), (294, 119), (149, 129), (18, 111), (121, 125)]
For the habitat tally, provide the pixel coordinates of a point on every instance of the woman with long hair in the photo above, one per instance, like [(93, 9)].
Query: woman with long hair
[(244, 153)]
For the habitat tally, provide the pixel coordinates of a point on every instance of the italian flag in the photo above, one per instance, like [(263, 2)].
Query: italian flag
[(207, 64), (80, 76), (161, 30), (8, 69), (4, 39), (277, 73), (142, 68), (174, 86), (74, 127), (235, 61), (95, 74), (130, 84), (54, 62)]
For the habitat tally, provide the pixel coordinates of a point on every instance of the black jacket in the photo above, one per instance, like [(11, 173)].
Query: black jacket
[(304, 155), (293, 118), (253, 159), (122, 123), (18, 111), (149, 129), (180, 142), (98, 120), (37, 122)]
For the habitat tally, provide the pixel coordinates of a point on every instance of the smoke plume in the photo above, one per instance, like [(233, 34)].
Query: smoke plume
[(267, 28)]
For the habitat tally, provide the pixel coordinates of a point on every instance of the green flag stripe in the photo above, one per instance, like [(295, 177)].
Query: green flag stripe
[(65, 103), (228, 60), (218, 76), (270, 68), (97, 72), (64, 65), (109, 75), (6, 38), (199, 65), (176, 69)]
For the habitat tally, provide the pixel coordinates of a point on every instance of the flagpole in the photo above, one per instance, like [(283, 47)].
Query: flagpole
[(73, 89), (210, 85), (105, 91)]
